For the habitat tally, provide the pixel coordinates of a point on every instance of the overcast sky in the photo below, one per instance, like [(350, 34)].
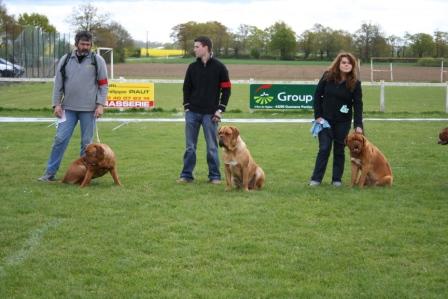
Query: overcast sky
[(157, 18)]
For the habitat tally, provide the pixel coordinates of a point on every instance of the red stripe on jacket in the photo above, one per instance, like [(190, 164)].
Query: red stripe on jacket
[(225, 84), (102, 82)]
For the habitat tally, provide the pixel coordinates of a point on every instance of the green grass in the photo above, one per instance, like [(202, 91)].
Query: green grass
[(415, 101), (187, 60), (153, 238)]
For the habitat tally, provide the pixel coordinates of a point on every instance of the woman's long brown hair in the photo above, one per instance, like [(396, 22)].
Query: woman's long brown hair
[(334, 74)]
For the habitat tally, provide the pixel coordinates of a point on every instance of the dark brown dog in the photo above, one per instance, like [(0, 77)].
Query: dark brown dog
[(443, 136), (240, 168), (98, 159), (369, 166)]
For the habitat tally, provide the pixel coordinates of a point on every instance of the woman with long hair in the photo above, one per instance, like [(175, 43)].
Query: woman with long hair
[(337, 100)]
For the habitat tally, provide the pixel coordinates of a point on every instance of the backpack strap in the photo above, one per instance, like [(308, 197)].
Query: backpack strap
[(63, 73), (95, 63)]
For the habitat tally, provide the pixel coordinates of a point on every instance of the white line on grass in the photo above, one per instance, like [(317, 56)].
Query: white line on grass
[(31, 243), (120, 125), (225, 120)]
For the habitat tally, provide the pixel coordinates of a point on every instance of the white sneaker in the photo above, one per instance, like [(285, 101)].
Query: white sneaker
[(337, 184), (314, 183), (47, 178)]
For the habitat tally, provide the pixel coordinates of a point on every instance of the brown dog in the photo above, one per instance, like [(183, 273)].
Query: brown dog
[(369, 166), (240, 168), (98, 159), (443, 136)]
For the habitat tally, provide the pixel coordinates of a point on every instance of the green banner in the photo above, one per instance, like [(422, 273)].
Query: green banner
[(282, 96)]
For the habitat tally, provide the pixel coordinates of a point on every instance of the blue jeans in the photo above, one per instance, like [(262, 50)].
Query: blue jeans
[(327, 137), (64, 132), (193, 122)]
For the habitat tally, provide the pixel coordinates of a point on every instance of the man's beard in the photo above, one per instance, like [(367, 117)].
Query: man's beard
[(83, 52)]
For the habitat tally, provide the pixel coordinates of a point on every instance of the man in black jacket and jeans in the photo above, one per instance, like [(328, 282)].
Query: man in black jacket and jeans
[(206, 94)]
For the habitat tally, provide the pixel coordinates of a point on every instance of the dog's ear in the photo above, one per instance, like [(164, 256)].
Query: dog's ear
[(90, 150), (235, 132), (99, 152)]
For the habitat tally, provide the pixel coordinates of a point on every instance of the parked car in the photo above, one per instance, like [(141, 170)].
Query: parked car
[(9, 69)]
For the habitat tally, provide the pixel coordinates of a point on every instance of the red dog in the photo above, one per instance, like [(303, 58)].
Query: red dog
[(241, 169), (443, 136), (98, 159), (369, 165)]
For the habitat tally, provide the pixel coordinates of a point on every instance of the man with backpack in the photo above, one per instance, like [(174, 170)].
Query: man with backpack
[(79, 93)]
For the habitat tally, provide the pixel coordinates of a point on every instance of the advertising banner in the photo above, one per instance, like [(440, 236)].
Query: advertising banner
[(130, 95), (282, 96)]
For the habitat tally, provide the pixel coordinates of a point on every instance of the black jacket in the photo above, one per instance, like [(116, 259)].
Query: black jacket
[(206, 87), (335, 102)]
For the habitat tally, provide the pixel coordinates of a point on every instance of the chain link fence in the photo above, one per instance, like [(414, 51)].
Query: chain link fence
[(30, 52)]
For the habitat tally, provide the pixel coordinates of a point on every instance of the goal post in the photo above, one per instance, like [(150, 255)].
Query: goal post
[(102, 51), (386, 65)]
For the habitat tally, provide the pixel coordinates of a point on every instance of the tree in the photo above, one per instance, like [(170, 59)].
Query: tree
[(422, 44), (86, 17), (308, 43), (397, 45), (240, 39), (184, 34), (4, 17), (6, 21), (370, 41), (105, 33), (219, 34), (8, 25), (441, 43), (340, 41), (115, 36), (257, 42), (283, 40), (37, 20), (325, 41)]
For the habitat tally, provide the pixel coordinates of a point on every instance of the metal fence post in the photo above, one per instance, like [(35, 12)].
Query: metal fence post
[(391, 73), (112, 64), (382, 100), (446, 97), (441, 72)]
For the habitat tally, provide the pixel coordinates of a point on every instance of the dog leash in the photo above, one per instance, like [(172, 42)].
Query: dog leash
[(96, 130)]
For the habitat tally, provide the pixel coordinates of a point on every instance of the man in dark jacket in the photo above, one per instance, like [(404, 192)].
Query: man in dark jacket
[(206, 94)]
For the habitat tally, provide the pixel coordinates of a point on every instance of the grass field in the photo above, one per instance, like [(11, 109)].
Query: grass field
[(168, 97), (153, 238)]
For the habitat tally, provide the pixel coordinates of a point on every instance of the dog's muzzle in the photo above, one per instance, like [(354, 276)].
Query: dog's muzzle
[(356, 150)]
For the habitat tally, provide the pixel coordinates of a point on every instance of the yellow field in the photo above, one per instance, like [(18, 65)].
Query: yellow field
[(161, 52)]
